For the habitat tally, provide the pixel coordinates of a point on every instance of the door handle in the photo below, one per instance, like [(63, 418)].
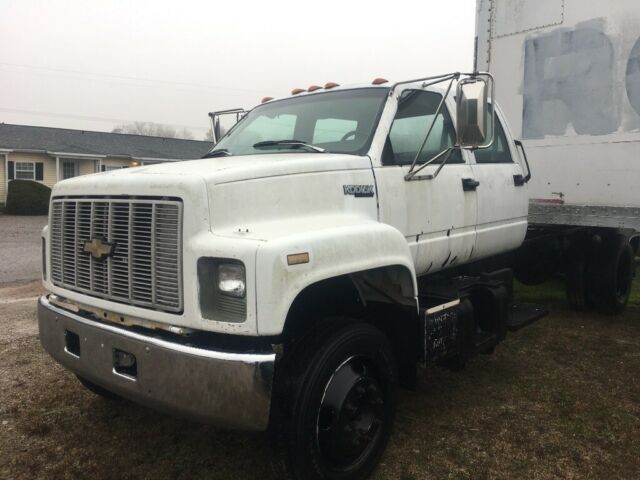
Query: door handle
[(469, 184)]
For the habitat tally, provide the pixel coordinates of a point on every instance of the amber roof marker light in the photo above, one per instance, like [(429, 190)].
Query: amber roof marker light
[(330, 85), (296, 91), (266, 99), (313, 88), (379, 81)]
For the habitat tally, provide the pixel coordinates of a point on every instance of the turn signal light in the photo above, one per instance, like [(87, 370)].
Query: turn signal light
[(379, 81), (296, 91)]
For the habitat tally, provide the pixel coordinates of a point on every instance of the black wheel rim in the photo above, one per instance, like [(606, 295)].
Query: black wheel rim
[(351, 414)]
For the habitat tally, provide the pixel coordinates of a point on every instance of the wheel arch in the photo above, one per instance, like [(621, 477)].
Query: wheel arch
[(372, 258)]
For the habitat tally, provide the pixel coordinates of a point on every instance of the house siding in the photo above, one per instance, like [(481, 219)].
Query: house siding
[(86, 167)]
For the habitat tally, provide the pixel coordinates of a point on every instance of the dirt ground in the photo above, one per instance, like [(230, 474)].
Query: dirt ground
[(560, 399)]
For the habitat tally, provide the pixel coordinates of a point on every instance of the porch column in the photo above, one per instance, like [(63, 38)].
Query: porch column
[(6, 177)]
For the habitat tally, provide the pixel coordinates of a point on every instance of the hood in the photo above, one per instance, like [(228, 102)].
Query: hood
[(260, 195), (247, 167)]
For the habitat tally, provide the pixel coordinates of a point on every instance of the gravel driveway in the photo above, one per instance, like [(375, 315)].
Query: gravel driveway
[(20, 257)]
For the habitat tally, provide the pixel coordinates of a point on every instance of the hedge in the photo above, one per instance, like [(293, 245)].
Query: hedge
[(25, 197)]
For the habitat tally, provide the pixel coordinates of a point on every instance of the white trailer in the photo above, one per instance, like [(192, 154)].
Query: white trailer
[(568, 80)]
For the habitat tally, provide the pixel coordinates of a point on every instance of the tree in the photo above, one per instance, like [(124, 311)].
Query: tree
[(153, 129)]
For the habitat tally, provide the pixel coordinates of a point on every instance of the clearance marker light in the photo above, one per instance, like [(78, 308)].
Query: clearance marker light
[(266, 99), (379, 81), (313, 88), (296, 91), (298, 258), (329, 85)]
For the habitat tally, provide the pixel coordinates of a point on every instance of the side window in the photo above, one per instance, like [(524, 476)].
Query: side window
[(416, 110), (334, 130), (499, 151)]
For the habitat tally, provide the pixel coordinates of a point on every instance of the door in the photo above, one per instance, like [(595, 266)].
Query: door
[(502, 196), (69, 169), (436, 216)]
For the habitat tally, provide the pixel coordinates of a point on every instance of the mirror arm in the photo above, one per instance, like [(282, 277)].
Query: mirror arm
[(433, 122), (411, 175), (453, 76)]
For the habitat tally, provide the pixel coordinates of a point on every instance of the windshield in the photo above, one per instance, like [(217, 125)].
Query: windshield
[(338, 122)]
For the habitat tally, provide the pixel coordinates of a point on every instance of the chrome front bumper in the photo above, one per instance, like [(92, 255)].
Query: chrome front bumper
[(222, 388)]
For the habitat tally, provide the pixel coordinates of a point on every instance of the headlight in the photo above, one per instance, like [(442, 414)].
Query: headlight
[(231, 279)]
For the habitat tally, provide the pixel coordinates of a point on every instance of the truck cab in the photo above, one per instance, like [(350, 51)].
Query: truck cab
[(328, 244)]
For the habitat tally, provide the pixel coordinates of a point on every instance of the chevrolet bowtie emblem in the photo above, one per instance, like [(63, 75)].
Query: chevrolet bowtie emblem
[(99, 248)]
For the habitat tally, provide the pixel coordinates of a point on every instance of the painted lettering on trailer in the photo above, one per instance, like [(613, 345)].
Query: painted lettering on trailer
[(570, 78)]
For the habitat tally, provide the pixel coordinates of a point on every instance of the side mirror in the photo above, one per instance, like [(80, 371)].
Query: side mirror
[(474, 115)]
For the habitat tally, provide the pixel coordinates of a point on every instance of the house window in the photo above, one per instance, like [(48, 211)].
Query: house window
[(69, 169), (25, 171)]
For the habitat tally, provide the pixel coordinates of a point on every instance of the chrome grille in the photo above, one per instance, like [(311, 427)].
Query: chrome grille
[(145, 267)]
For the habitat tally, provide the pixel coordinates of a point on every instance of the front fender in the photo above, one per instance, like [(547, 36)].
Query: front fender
[(332, 252)]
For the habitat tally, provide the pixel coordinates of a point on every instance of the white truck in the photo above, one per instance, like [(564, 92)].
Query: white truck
[(569, 83), (331, 242)]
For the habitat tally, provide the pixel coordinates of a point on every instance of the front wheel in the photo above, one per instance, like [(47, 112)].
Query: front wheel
[(342, 399)]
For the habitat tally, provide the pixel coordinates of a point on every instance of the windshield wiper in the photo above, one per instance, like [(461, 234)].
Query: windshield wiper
[(288, 143), (218, 153)]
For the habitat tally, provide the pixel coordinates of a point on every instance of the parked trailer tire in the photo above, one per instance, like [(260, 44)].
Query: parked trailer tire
[(577, 277), (337, 404), (612, 274)]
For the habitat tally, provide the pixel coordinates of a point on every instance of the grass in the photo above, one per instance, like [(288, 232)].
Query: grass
[(557, 400)]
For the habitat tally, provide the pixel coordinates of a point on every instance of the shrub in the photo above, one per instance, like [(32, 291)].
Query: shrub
[(25, 197)]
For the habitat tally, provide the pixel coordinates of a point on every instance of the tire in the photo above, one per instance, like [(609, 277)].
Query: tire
[(337, 404), (98, 390), (577, 278), (612, 276)]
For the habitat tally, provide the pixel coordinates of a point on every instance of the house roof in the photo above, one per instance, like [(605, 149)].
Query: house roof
[(26, 137)]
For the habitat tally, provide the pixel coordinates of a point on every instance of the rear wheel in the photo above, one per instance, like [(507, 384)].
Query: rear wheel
[(577, 278), (612, 276), (339, 404)]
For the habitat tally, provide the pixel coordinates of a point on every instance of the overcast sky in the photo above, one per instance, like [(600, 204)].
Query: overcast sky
[(94, 64)]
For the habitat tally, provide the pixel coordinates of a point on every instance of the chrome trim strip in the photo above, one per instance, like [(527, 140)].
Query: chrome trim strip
[(248, 358)]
